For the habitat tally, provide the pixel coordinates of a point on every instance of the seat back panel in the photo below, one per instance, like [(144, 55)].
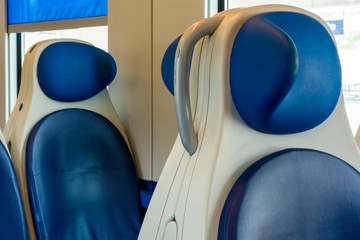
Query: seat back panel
[(81, 178)]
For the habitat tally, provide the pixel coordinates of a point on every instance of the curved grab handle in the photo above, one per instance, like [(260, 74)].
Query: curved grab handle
[(186, 44)]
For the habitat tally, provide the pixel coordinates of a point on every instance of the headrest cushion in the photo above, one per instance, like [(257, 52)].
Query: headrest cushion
[(285, 73), (72, 71), (168, 64)]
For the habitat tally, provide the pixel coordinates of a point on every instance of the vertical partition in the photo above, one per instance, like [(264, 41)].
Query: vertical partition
[(139, 33), (170, 19), (130, 43)]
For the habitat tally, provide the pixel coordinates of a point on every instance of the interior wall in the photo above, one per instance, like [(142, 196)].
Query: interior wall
[(129, 28), (170, 19), (3, 64), (139, 33)]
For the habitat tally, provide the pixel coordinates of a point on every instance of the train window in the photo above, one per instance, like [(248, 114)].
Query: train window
[(343, 17), (98, 36)]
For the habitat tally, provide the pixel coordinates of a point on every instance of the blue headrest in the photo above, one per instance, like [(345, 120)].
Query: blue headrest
[(294, 194), (168, 64), (285, 74), (72, 71)]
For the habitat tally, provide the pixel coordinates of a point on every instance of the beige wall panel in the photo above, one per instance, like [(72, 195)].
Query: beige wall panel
[(129, 23), (170, 19), (3, 65)]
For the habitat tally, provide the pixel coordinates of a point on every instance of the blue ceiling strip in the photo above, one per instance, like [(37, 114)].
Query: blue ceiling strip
[(29, 11)]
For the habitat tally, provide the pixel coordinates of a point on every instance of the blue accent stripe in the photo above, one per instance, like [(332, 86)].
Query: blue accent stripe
[(145, 197), (23, 11), (147, 184), (37, 216), (146, 191)]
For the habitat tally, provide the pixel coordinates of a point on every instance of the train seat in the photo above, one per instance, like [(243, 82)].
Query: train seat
[(69, 147), (12, 217), (264, 150)]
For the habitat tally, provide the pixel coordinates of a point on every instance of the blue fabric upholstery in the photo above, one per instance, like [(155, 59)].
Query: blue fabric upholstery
[(71, 71), (294, 194), (25, 11), (81, 178), (285, 74), (12, 218), (147, 189), (168, 64)]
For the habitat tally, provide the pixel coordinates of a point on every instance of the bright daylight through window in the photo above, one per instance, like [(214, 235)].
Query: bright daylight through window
[(98, 36)]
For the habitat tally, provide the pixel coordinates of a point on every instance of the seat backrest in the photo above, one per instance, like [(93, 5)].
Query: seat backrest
[(70, 149), (272, 155), (12, 217)]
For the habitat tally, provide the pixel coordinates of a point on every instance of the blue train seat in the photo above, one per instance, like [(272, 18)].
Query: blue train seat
[(12, 217), (264, 150), (72, 155)]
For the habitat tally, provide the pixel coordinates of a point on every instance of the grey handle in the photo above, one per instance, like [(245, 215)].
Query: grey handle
[(185, 47)]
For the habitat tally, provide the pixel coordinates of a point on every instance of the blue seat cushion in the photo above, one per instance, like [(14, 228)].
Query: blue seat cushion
[(285, 73), (73, 71), (81, 178), (12, 218), (294, 194)]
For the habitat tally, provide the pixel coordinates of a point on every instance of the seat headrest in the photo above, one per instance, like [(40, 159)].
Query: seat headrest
[(168, 64), (73, 71), (285, 73)]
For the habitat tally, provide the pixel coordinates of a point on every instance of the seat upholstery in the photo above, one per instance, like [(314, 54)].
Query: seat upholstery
[(294, 194), (82, 181), (69, 143), (271, 52), (12, 218), (285, 194), (275, 156)]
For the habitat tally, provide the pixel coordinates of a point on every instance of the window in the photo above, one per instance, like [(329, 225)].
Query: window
[(343, 17), (98, 36)]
